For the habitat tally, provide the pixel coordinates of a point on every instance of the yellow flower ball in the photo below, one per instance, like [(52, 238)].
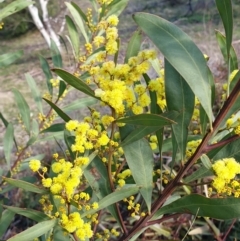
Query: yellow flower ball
[(34, 165), (47, 182), (113, 20), (57, 167), (71, 125), (103, 140)]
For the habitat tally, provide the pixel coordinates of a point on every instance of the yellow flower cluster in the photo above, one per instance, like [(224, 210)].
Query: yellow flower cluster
[(105, 235), (107, 2), (195, 123), (114, 83), (233, 123), (226, 170), (162, 176), (67, 179), (122, 176), (1, 25), (230, 121), (134, 207), (191, 147), (159, 86), (237, 130), (54, 82), (74, 223), (119, 85), (46, 121), (153, 142), (87, 137), (65, 185)]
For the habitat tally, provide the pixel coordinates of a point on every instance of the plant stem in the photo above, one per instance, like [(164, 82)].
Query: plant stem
[(229, 229), (109, 167)]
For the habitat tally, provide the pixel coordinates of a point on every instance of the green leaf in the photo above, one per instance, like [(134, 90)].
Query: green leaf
[(54, 128), (135, 236), (35, 91), (8, 142), (174, 150), (29, 213), (56, 55), (138, 134), (180, 51), (63, 41), (125, 131), (69, 141), (218, 208), (221, 39), (203, 116), (35, 231), (231, 149), (23, 108), (206, 161), (64, 116), (8, 58), (203, 121), (82, 14), (140, 161), (5, 221), (113, 198), (31, 140), (59, 234), (160, 137), (235, 106), (134, 45), (1, 207), (46, 70), (200, 173), (75, 82), (78, 19), (62, 88), (179, 97), (35, 128), (5, 122), (54, 136), (14, 7), (97, 176), (116, 9), (25, 185), (79, 103), (74, 36), (150, 119), (225, 10)]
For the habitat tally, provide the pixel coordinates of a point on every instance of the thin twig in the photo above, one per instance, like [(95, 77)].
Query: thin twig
[(229, 229), (163, 219)]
